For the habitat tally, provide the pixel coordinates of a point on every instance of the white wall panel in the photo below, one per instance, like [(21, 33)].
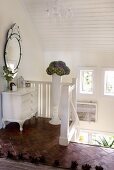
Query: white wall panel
[(31, 65)]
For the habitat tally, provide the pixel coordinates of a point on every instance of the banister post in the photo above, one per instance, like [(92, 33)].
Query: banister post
[(75, 137), (74, 81), (64, 129)]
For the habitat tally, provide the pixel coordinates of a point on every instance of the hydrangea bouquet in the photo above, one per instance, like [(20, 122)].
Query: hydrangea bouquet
[(7, 73), (58, 67)]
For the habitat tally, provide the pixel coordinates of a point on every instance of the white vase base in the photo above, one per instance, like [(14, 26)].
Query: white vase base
[(54, 121)]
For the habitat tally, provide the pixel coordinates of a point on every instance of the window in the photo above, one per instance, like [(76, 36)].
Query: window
[(109, 83), (86, 81)]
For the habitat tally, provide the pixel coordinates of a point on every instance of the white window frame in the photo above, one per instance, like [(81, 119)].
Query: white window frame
[(104, 83), (94, 80)]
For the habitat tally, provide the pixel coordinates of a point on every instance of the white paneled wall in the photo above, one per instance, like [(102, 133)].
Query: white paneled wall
[(73, 24)]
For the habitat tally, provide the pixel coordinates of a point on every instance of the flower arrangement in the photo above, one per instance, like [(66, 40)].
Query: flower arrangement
[(58, 67), (8, 74)]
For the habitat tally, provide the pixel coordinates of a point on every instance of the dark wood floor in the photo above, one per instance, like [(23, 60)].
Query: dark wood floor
[(41, 138)]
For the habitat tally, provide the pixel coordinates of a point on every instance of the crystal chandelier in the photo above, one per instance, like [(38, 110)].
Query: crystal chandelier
[(56, 9)]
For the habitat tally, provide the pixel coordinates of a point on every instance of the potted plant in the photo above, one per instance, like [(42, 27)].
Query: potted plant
[(56, 69), (8, 75)]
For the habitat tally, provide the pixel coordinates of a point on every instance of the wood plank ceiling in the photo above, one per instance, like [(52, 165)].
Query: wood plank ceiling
[(73, 24)]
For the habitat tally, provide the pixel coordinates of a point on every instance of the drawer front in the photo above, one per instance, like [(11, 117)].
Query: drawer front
[(29, 103), (33, 101), (33, 95), (26, 109), (26, 98), (33, 98)]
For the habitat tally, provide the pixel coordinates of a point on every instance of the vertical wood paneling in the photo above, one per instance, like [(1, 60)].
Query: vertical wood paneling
[(44, 100), (72, 24)]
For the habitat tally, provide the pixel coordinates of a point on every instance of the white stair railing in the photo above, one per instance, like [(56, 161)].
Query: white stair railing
[(44, 97), (69, 130)]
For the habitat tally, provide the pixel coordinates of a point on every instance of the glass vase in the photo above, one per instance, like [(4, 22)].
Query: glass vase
[(8, 85)]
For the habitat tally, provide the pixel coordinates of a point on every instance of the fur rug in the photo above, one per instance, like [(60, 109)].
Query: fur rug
[(6, 164)]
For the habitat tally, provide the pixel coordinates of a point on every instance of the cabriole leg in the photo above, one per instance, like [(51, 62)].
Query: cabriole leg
[(3, 123), (21, 126)]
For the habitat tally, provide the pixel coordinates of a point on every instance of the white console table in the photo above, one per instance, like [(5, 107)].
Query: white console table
[(19, 106)]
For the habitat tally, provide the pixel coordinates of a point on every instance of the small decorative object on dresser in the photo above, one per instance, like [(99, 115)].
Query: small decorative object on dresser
[(56, 69), (13, 86)]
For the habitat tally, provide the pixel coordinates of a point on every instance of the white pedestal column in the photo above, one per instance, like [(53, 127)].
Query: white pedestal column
[(56, 92)]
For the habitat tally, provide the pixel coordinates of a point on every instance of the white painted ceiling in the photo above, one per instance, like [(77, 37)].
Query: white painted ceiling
[(73, 24)]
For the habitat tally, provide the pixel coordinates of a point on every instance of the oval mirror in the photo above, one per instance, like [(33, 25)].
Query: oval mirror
[(12, 55)]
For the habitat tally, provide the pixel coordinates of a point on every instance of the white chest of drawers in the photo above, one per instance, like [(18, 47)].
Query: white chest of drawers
[(19, 106)]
